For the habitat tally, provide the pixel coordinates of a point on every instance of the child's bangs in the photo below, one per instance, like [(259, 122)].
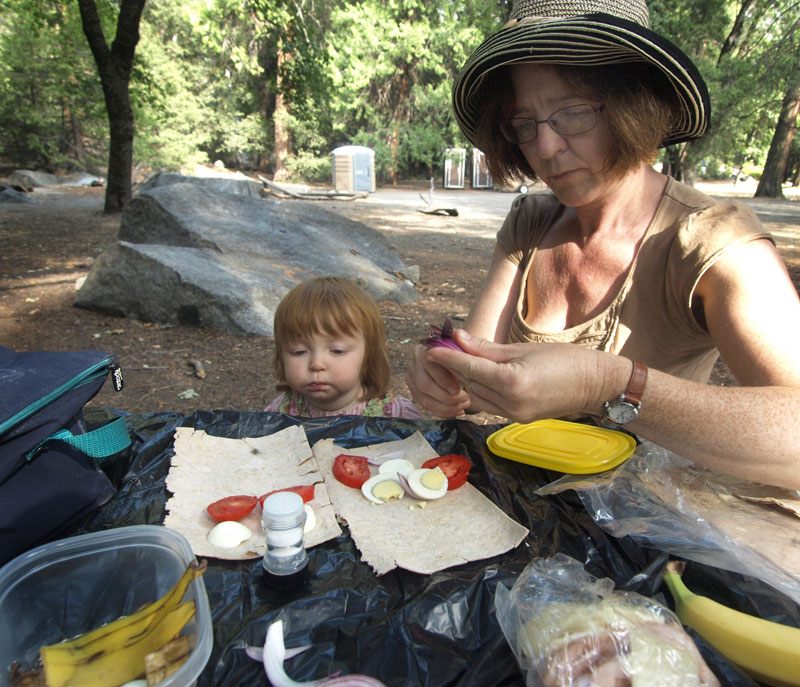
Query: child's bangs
[(319, 314)]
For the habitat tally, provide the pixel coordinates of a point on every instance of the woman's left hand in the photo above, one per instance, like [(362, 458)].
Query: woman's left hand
[(531, 381)]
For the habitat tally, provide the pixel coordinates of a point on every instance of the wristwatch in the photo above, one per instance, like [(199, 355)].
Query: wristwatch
[(626, 407)]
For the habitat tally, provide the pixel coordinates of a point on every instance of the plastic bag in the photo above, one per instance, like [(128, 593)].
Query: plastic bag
[(570, 629), (663, 501), (406, 629)]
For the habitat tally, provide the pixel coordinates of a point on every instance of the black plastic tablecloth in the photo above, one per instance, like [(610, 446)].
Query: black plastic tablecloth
[(404, 628)]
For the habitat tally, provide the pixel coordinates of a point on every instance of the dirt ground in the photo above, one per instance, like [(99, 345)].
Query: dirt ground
[(46, 246)]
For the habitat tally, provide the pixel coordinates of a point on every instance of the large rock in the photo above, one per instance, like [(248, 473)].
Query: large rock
[(30, 178), (221, 184), (188, 254), (9, 194)]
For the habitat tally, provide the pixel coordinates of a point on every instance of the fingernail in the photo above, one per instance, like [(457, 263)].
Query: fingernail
[(465, 334)]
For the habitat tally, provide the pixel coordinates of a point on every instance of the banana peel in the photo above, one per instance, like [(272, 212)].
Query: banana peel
[(167, 660), (767, 651), (114, 653)]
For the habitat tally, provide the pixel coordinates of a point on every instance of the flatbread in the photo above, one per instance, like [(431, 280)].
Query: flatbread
[(462, 526), (206, 468), (784, 499)]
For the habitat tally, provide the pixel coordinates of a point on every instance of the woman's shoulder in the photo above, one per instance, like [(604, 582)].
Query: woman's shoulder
[(529, 215), (535, 203), (698, 207)]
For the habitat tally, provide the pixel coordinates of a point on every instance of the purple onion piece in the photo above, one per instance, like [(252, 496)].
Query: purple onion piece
[(407, 487), (351, 681), (442, 337)]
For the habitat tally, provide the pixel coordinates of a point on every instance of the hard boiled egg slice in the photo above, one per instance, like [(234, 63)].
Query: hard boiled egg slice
[(428, 484), (229, 534), (311, 519), (382, 487), (396, 465)]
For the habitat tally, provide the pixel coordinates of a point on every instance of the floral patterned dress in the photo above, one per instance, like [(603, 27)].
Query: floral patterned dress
[(390, 405)]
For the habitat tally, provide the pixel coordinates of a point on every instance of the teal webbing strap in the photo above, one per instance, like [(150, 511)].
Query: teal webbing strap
[(99, 443)]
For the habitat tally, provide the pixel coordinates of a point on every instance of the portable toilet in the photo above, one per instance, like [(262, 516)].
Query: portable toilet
[(480, 170), (454, 163), (353, 168)]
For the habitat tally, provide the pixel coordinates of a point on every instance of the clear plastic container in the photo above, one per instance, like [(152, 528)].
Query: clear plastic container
[(68, 587), (283, 518)]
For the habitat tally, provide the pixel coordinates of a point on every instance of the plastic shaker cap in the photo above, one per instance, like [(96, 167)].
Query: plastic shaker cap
[(283, 507)]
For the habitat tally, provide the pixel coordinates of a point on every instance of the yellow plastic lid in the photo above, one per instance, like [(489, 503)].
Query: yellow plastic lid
[(568, 447)]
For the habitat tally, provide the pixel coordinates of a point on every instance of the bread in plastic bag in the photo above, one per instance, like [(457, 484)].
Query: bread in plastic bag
[(570, 629)]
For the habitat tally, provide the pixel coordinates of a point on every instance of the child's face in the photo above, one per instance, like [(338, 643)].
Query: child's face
[(326, 370)]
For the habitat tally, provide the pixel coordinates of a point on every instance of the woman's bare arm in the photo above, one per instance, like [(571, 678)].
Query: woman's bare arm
[(751, 431)]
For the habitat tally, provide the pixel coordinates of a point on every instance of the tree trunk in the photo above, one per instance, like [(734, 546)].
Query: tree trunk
[(673, 162), (771, 183), (283, 140), (114, 67), (401, 114), (736, 34)]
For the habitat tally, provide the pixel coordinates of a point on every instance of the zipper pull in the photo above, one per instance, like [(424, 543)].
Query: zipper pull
[(116, 376)]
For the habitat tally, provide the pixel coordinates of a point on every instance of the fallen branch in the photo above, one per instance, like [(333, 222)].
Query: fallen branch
[(199, 368), (441, 211), (283, 192)]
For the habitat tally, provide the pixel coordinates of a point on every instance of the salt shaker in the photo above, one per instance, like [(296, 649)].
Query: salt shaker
[(285, 559)]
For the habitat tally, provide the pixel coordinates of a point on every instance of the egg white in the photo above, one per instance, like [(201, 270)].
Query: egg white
[(229, 534), (395, 465), (423, 492), (311, 519), (370, 484)]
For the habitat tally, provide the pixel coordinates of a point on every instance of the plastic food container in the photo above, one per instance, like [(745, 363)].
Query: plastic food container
[(67, 587), (568, 447)]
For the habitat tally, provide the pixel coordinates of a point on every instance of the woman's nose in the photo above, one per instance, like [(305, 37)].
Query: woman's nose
[(548, 141)]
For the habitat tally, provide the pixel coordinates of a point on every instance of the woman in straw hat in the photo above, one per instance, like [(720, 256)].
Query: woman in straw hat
[(652, 279)]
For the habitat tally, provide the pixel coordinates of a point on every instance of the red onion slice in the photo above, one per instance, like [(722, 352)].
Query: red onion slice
[(407, 487), (442, 337)]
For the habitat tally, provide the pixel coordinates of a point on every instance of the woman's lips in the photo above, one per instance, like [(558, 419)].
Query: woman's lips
[(560, 175)]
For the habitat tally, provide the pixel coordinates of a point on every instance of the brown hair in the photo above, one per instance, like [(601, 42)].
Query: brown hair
[(333, 306), (640, 108)]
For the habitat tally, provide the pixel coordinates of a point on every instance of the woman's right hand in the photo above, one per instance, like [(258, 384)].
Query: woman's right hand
[(434, 387)]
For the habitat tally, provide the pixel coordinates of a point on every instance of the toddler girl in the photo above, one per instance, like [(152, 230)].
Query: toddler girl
[(330, 353)]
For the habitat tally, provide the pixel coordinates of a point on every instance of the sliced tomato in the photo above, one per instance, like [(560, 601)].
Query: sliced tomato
[(232, 507), (306, 491), (455, 468), (351, 470)]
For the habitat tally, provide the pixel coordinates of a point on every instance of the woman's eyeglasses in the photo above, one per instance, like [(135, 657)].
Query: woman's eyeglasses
[(567, 121)]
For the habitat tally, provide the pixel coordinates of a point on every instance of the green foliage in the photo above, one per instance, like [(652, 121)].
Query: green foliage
[(393, 75), (51, 105), (171, 119), (307, 167), (376, 73)]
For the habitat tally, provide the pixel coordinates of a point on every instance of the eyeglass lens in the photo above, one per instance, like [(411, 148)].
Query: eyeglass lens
[(567, 121)]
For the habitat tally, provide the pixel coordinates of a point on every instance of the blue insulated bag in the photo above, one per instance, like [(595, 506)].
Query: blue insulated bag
[(49, 474)]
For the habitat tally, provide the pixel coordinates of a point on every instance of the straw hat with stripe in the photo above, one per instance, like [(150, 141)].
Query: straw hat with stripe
[(582, 32)]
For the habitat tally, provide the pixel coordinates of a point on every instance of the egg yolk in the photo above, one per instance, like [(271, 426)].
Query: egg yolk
[(387, 489), (433, 479)]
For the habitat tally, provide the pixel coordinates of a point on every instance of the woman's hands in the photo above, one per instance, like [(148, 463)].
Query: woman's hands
[(522, 382), (434, 387)]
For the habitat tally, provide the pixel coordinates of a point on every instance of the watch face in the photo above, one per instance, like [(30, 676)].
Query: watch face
[(621, 412)]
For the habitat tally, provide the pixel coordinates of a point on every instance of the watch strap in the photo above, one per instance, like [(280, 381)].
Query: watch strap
[(633, 393)]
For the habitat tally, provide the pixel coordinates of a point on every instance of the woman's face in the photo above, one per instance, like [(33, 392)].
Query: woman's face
[(572, 166)]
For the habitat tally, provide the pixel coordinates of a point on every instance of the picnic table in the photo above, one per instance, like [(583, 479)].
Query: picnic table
[(404, 628)]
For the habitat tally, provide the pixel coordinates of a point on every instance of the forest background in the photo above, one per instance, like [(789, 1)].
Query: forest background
[(124, 88)]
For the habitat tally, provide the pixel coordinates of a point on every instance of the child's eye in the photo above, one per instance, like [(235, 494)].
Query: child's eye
[(338, 351), (296, 352)]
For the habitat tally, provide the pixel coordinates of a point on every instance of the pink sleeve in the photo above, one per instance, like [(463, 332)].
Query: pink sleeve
[(404, 407)]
